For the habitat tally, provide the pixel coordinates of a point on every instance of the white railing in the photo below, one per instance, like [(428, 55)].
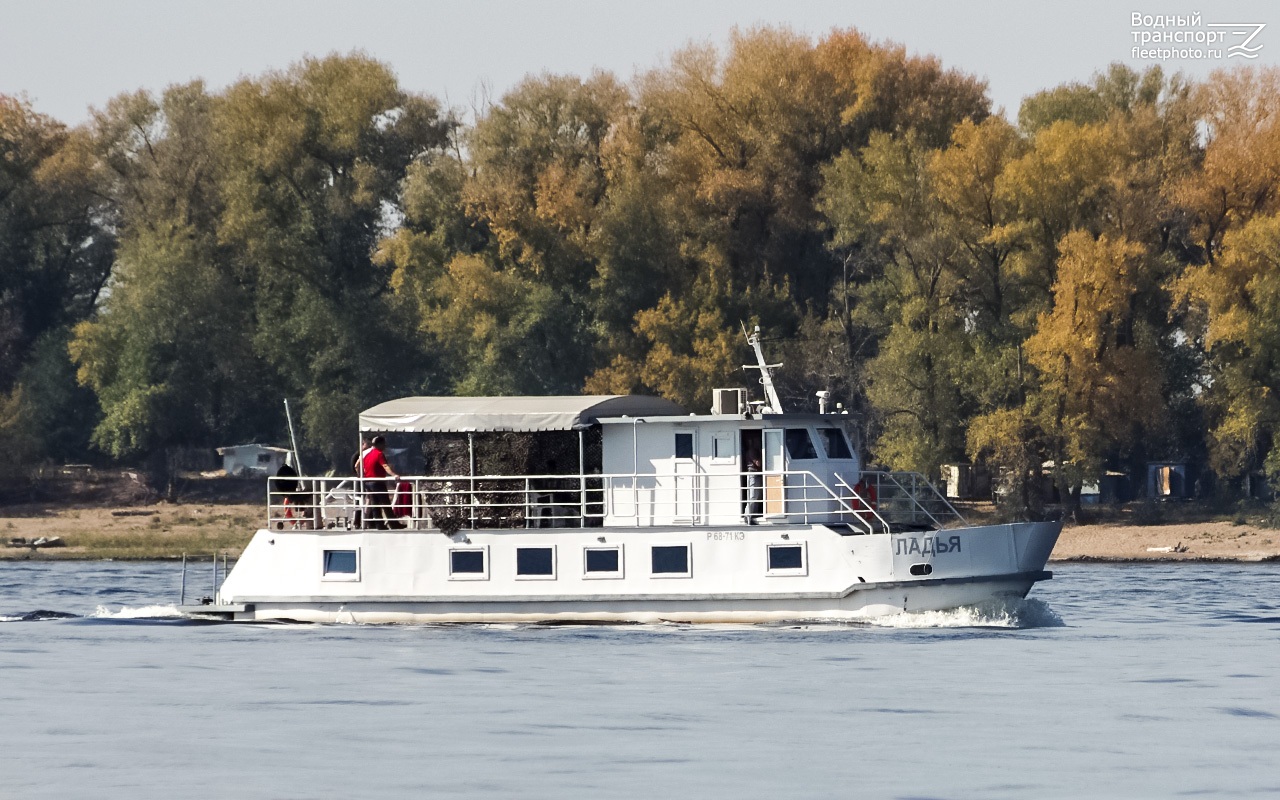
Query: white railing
[(908, 498), (564, 501)]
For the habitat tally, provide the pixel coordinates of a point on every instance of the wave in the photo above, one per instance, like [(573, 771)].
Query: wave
[(37, 616), (998, 613), (142, 612)]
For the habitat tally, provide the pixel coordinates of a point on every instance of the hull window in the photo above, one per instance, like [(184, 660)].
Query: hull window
[(468, 564), (789, 556), (535, 562), (921, 569), (603, 562), (787, 559), (341, 565), (671, 561)]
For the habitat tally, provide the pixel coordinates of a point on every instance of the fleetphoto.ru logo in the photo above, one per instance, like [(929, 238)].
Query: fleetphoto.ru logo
[(1160, 37)]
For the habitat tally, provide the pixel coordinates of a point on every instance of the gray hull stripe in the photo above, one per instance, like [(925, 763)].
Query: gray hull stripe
[(1012, 577)]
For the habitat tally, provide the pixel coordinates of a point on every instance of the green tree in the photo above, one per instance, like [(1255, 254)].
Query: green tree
[(314, 160)]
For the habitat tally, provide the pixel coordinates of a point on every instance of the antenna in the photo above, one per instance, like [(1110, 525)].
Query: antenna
[(766, 377), (297, 463)]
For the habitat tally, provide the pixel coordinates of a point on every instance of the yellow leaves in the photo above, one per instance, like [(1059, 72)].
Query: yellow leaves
[(1100, 379), (1239, 111), (1239, 295)]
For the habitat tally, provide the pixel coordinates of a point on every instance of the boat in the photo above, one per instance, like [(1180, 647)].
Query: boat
[(747, 514)]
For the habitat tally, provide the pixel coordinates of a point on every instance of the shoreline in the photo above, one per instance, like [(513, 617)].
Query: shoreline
[(166, 531)]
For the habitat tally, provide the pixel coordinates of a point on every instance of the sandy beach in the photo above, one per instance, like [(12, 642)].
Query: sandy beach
[(168, 530), (1185, 541)]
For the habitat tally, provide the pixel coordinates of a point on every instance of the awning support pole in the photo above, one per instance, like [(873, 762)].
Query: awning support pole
[(471, 478), (582, 474)]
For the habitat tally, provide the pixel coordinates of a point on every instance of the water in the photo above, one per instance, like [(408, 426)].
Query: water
[(1115, 681)]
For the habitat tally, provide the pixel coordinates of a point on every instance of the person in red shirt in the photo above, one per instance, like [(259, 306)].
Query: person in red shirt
[(374, 468)]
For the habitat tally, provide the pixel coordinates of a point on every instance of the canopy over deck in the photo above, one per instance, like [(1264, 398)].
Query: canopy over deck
[(524, 414)]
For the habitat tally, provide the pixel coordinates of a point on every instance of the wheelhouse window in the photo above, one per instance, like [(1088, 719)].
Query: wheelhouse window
[(722, 447), (800, 444), (341, 565), (469, 563), (536, 562), (671, 561), (786, 559), (835, 443), (602, 562), (684, 445)]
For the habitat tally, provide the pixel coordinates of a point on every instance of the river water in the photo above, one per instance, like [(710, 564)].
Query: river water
[(1113, 681)]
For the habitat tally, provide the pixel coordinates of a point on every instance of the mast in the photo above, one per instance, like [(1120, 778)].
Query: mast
[(774, 405)]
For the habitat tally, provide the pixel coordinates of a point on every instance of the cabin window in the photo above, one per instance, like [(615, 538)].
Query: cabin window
[(603, 562), (468, 563), (264, 458), (833, 439), (722, 447), (341, 565), (786, 559), (921, 569), (800, 445), (671, 561), (684, 445), (536, 562)]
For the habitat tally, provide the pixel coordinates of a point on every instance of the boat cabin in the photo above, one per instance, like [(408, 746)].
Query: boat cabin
[(606, 461)]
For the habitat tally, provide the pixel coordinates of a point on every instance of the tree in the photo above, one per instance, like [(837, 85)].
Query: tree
[(1239, 111), (1235, 305), (314, 162), (1100, 379), (54, 261)]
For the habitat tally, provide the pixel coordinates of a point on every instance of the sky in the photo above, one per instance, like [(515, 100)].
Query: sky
[(67, 56)]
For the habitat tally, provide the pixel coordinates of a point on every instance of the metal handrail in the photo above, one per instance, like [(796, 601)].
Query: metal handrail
[(917, 481), (866, 503), (525, 500)]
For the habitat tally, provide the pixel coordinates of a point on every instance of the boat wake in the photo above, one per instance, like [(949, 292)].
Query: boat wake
[(141, 612), (37, 616), (997, 613)]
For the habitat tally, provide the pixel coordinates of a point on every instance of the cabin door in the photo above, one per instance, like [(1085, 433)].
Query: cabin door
[(774, 463), (686, 476)]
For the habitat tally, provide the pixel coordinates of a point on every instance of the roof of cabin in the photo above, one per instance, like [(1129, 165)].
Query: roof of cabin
[(554, 413)]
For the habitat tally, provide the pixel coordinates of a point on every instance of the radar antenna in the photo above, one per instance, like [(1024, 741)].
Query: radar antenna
[(774, 405)]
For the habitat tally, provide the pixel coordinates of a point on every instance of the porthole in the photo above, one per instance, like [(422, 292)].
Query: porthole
[(341, 565), (602, 562), (469, 564), (536, 562), (671, 561)]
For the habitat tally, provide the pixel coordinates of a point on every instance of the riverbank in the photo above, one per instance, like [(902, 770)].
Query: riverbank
[(168, 530), (1184, 541), (155, 531)]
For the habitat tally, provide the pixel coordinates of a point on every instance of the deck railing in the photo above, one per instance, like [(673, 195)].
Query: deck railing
[(565, 501), (908, 498)]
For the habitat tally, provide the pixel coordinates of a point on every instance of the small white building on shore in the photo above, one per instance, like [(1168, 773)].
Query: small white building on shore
[(253, 459)]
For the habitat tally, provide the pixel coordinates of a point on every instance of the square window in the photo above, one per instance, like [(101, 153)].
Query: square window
[(602, 562), (469, 563), (684, 445), (341, 565), (722, 447), (799, 445), (786, 559), (535, 562), (671, 560), (836, 446)]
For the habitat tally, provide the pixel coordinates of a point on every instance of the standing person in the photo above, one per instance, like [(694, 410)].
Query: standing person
[(753, 507), (374, 469)]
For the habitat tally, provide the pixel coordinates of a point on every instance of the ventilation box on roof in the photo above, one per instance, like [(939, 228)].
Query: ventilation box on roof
[(729, 401)]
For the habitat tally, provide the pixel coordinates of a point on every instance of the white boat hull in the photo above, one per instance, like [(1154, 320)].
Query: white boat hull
[(403, 577)]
